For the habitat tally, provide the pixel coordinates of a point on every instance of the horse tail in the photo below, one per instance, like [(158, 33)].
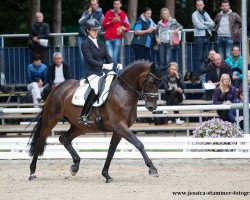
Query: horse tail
[(34, 137)]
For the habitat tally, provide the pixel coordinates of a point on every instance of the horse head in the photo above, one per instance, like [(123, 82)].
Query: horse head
[(150, 86)]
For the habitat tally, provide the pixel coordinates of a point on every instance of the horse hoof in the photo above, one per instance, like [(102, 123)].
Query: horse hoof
[(109, 180), (153, 172), (73, 170), (32, 177)]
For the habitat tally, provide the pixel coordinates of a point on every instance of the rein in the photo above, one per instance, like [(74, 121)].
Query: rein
[(142, 95)]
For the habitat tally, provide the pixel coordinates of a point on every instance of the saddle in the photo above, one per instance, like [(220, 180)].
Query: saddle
[(83, 90)]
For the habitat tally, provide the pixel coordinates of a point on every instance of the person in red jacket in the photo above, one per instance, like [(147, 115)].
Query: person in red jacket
[(115, 24)]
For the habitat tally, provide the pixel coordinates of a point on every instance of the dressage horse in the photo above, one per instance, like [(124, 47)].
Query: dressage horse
[(141, 79)]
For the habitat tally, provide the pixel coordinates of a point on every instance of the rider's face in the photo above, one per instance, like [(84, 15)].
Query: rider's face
[(93, 33)]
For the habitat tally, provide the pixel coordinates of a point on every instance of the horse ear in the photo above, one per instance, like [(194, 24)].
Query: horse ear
[(152, 66)]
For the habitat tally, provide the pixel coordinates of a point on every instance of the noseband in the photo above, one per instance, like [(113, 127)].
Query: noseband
[(144, 95)]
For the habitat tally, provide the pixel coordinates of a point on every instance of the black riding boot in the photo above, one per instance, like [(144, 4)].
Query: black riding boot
[(86, 108)]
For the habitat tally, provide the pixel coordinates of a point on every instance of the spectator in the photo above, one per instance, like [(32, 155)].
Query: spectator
[(94, 11), (203, 25), (57, 73), (37, 77), (163, 36), (115, 24), (205, 63), (235, 61), (174, 85), (39, 33), (227, 26), (225, 93), (143, 35), (232, 113), (216, 69)]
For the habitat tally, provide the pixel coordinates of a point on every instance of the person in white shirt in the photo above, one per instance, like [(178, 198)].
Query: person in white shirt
[(57, 73)]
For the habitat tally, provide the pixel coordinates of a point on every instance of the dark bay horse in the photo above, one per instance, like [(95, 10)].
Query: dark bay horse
[(141, 79)]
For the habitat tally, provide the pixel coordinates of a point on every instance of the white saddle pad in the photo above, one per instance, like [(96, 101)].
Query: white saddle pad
[(79, 98)]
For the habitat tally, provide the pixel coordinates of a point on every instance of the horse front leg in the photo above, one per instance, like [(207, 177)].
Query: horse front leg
[(115, 140), (66, 139), (130, 137)]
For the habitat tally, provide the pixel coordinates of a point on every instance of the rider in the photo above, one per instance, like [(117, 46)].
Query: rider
[(98, 62)]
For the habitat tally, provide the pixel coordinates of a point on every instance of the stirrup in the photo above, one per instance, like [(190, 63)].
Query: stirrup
[(84, 120)]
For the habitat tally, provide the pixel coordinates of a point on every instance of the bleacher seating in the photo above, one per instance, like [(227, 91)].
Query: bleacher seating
[(10, 123)]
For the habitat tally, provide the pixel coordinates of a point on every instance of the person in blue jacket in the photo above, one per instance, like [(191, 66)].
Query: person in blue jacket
[(37, 75), (235, 61), (144, 35)]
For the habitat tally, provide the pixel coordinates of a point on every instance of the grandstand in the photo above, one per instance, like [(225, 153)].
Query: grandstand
[(15, 60)]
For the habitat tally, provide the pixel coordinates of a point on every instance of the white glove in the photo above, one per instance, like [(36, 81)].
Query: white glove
[(119, 66), (108, 66)]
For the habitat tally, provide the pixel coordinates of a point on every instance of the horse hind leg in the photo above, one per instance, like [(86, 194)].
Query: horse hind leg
[(66, 139), (39, 135)]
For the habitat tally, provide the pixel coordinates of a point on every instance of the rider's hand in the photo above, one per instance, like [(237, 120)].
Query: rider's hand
[(119, 66), (108, 66)]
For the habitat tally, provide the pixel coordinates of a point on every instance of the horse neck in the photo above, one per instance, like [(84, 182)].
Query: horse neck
[(131, 78), (130, 87)]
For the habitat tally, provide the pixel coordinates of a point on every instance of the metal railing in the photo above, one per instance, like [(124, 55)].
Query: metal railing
[(15, 59)]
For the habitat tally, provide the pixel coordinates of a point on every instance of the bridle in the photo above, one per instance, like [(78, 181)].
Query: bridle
[(144, 95)]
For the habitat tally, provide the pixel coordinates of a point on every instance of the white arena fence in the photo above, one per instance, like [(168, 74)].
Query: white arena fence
[(157, 147)]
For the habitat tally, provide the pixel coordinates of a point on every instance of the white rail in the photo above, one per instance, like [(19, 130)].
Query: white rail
[(141, 108), (157, 147)]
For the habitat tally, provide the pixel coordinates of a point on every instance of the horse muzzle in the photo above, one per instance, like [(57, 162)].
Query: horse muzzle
[(151, 106)]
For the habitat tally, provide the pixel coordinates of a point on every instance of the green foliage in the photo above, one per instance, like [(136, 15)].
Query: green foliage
[(14, 14)]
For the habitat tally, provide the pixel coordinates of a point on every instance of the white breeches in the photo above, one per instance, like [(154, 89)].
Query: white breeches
[(93, 82), (35, 91)]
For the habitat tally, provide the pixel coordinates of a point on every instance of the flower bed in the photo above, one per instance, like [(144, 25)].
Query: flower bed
[(217, 128)]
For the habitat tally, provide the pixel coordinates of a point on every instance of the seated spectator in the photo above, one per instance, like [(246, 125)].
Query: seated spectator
[(235, 61), (216, 68), (37, 77), (163, 36), (143, 35), (232, 113), (173, 84), (2, 82), (57, 73), (204, 65), (225, 93)]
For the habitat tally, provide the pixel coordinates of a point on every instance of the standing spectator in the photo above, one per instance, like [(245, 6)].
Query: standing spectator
[(115, 24), (57, 73), (37, 74), (235, 61), (143, 35), (39, 32), (94, 11), (225, 93), (227, 26), (216, 69), (174, 85), (166, 24), (203, 25)]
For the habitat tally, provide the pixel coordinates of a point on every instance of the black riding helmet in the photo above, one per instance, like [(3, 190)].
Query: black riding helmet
[(92, 24)]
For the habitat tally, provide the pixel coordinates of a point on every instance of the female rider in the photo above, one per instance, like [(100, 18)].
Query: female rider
[(98, 63)]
